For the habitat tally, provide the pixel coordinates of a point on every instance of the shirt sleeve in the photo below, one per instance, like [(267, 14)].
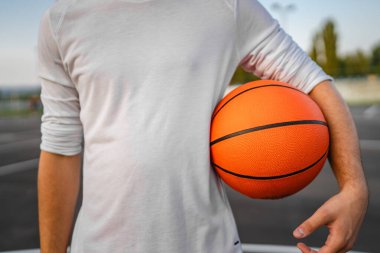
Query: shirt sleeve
[(61, 127), (268, 52)]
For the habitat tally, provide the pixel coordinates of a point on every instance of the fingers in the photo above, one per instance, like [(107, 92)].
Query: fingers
[(335, 243), (305, 249), (318, 219)]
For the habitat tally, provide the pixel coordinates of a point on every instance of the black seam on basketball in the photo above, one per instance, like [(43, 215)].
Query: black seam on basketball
[(271, 177), (274, 125), (266, 85)]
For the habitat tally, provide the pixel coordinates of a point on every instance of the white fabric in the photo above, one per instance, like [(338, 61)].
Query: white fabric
[(138, 80)]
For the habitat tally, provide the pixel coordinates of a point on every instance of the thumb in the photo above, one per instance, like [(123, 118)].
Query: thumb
[(318, 219)]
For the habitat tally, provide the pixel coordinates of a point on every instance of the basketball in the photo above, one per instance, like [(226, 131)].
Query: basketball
[(268, 139)]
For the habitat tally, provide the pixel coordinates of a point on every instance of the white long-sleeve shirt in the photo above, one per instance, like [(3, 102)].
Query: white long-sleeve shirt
[(138, 80)]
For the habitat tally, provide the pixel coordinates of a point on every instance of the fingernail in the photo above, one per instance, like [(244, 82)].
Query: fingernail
[(299, 233)]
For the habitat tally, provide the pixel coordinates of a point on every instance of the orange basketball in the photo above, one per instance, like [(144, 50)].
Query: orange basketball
[(268, 139)]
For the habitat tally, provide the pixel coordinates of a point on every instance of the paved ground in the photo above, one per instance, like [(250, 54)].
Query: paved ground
[(259, 221)]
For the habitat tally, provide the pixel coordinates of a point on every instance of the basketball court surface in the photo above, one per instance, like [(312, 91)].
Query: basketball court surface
[(264, 225)]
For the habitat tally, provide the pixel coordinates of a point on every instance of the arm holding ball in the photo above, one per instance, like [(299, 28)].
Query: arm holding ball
[(269, 53), (343, 214)]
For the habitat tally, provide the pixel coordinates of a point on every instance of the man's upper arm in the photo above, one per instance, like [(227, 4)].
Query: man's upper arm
[(61, 127), (267, 51)]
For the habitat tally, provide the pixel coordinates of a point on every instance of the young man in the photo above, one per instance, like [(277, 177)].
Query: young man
[(139, 79)]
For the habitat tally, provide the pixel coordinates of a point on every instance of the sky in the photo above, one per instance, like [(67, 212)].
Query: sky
[(357, 23)]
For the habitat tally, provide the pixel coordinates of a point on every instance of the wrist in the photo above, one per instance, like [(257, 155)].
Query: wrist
[(356, 189), (351, 177)]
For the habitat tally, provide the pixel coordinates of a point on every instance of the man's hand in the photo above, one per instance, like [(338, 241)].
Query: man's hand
[(343, 214)]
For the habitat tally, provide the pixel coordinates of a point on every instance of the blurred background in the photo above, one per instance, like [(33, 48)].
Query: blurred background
[(341, 35)]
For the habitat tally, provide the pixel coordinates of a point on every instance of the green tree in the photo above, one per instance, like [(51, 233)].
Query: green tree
[(241, 76), (330, 38), (375, 60), (357, 64), (324, 49)]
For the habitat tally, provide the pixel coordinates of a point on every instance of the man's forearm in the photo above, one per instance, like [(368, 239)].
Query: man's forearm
[(344, 212), (344, 144), (58, 187)]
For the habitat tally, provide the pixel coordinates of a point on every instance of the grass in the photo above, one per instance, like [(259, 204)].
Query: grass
[(363, 102), (20, 113)]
